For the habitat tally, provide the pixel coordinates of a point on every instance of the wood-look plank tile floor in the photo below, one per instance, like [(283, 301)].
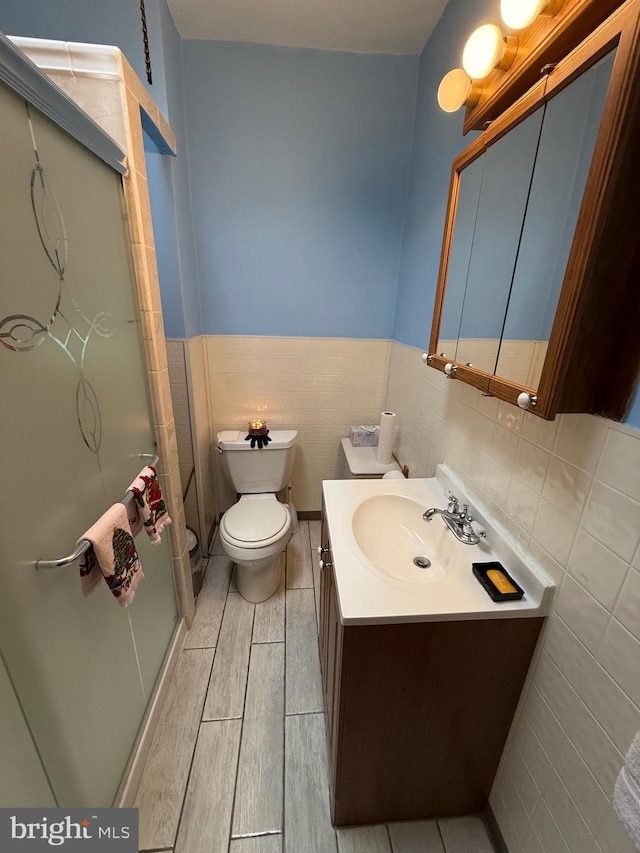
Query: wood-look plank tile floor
[(239, 760)]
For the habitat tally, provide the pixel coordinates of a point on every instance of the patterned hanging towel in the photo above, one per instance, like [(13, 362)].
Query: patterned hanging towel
[(112, 556), (149, 503)]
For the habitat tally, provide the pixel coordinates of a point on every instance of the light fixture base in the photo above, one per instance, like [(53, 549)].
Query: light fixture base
[(519, 14), (551, 8), (510, 50)]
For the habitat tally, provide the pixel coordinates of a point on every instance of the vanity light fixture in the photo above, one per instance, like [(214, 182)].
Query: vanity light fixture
[(457, 90), (487, 48), (518, 14)]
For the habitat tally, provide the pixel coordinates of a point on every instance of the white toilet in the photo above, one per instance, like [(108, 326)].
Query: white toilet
[(256, 529)]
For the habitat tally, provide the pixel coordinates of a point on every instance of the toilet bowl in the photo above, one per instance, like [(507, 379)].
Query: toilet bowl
[(256, 529), (254, 532)]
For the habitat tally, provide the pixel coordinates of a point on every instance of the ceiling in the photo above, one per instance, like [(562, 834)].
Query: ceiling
[(360, 26)]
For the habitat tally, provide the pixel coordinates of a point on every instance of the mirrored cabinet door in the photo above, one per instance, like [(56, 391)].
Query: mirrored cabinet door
[(571, 122), (508, 167), (459, 258)]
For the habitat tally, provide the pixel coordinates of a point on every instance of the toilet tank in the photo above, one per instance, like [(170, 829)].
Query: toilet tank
[(258, 470), (360, 463)]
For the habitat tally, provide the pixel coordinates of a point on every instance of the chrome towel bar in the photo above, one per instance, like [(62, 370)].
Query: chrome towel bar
[(84, 544)]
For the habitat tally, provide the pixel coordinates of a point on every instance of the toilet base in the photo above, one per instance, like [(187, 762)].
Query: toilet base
[(258, 580)]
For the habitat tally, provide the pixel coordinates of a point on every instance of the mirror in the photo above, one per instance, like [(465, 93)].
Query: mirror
[(568, 138), (508, 165), (512, 228), (461, 245)]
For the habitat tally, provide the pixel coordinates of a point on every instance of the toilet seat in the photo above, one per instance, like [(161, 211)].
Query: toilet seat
[(256, 521)]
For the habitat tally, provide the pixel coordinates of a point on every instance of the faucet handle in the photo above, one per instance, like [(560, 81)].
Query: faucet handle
[(453, 500), (471, 526), (477, 528)]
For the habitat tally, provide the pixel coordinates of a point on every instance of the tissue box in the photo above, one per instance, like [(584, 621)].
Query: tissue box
[(364, 436)]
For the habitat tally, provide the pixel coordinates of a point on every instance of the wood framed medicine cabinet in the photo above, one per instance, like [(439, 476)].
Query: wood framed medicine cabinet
[(538, 297)]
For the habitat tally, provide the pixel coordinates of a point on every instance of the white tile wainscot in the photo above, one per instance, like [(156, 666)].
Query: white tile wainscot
[(569, 492), (319, 386)]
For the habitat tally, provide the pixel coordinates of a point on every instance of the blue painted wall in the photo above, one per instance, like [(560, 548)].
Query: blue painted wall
[(114, 22), (299, 166), (187, 283), (163, 212), (437, 141)]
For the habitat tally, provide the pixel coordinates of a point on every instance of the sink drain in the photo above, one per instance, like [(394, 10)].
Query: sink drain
[(421, 562)]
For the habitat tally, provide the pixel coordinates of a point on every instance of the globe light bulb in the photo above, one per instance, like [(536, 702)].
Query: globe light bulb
[(457, 90), (486, 49)]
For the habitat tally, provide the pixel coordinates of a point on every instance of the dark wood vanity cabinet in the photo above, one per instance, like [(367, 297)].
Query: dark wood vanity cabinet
[(417, 714)]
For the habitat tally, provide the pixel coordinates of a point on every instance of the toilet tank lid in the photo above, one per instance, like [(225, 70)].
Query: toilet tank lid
[(233, 439), (362, 461)]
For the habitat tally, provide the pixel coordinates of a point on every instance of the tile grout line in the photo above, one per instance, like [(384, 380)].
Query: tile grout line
[(571, 798), (284, 708), (186, 788), (244, 705), (266, 832), (195, 746)]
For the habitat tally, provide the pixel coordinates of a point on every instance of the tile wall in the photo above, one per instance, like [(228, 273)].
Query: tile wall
[(518, 361), (196, 363), (187, 376), (568, 491), (319, 386), (182, 415)]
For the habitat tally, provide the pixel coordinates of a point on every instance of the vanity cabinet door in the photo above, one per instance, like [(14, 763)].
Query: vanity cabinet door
[(331, 634)]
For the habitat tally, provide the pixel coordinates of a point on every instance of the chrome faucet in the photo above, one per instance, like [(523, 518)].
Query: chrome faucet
[(459, 521)]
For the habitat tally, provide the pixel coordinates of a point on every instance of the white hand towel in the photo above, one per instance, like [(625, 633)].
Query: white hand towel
[(626, 801)]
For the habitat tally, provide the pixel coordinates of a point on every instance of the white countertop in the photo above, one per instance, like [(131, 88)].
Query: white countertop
[(369, 596)]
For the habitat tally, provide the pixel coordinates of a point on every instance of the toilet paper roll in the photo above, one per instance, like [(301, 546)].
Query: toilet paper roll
[(393, 475), (385, 441)]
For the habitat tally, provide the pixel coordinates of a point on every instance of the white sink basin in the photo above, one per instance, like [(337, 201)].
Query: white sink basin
[(377, 531), (392, 534)]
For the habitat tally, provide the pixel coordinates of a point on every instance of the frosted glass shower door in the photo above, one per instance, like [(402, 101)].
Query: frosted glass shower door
[(75, 421)]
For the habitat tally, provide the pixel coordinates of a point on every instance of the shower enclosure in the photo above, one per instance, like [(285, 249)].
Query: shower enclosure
[(76, 673)]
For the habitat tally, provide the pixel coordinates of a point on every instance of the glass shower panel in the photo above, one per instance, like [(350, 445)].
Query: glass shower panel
[(22, 779), (76, 419)]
